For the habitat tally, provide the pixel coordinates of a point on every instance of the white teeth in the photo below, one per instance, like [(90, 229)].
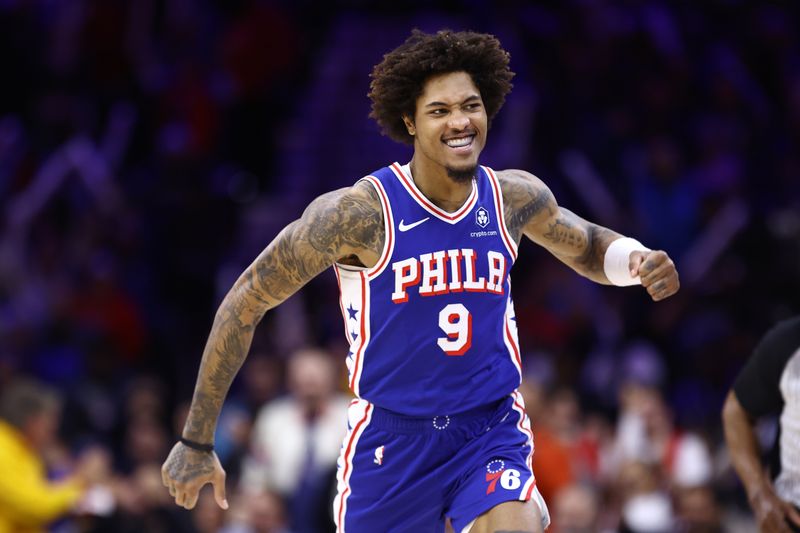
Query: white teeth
[(456, 143)]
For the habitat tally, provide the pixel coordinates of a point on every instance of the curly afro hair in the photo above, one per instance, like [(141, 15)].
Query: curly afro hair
[(398, 80)]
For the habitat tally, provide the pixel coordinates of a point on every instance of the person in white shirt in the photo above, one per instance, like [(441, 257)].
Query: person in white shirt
[(297, 438)]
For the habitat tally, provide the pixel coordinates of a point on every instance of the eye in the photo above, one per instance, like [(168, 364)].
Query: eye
[(438, 112), (473, 107)]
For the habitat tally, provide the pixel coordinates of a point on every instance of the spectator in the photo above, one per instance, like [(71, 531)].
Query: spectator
[(576, 509), (29, 417), (646, 433), (697, 510), (297, 439), (645, 504), (552, 461)]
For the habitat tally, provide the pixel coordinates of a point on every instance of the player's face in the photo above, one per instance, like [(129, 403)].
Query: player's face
[(450, 124)]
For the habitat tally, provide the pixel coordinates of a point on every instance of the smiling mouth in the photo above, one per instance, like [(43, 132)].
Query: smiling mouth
[(460, 142)]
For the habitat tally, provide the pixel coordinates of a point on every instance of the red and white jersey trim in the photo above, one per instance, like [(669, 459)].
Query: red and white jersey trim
[(524, 426), (511, 245), (388, 225), (354, 293), (359, 415), (404, 175), (354, 302), (529, 490), (510, 336)]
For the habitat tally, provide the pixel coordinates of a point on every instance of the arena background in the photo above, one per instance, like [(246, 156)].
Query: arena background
[(150, 149)]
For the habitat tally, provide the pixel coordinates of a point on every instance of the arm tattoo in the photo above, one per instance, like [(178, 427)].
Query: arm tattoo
[(523, 201), (185, 465), (563, 231), (582, 243), (531, 209), (341, 224)]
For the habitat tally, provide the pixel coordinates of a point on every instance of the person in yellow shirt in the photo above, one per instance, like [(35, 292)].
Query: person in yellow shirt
[(29, 416)]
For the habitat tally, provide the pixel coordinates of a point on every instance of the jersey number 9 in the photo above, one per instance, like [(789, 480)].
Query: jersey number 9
[(456, 321)]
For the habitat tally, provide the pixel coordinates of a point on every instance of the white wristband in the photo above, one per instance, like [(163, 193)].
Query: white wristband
[(617, 261)]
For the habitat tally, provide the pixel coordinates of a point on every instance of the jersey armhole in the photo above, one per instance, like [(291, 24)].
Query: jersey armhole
[(388, 225), (511, 245)]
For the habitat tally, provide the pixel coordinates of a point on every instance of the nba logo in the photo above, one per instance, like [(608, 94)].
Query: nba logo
[(482, 217), (379, 455)]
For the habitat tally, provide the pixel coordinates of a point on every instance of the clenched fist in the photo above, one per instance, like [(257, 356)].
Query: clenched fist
[(657, 272)]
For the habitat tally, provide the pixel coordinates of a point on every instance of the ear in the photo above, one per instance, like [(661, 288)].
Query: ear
[(409, 125)]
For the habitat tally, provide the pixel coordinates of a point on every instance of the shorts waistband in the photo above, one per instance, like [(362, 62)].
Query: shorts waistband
[(391, 421)]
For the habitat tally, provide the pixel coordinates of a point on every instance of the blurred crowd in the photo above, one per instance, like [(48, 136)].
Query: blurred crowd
[(150, 149)]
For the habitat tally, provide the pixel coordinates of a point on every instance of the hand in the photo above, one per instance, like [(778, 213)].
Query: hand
[(186, 471), (773, 514), (657, 272)]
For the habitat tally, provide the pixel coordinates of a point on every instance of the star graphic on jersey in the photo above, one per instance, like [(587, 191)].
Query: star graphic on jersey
[(354, 335), (352, 312), (350, 353)]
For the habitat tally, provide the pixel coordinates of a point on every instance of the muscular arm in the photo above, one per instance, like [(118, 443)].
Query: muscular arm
[(344, 225), (531, 210), (347, 223), (772, 513)]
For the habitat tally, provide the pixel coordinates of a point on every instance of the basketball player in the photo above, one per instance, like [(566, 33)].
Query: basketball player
[(422, 252), (769, 384)]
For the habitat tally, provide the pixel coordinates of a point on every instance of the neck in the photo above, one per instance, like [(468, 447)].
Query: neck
[(432, 180)]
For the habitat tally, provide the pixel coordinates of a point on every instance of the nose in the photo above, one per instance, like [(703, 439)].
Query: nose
[(458, 120)]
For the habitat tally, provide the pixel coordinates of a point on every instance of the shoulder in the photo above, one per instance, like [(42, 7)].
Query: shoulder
[(526, 199), (757, 385), (346, 221), (777, 346), (514, 177)]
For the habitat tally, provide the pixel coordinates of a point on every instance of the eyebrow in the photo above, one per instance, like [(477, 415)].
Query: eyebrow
[(439, 104)]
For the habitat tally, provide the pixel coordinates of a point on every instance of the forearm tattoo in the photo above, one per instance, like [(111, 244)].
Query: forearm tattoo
[(346, 224), (592, 240), (529, 207), (564, 231)]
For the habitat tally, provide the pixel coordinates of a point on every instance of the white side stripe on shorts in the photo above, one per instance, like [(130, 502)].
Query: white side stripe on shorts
[(358, 417)]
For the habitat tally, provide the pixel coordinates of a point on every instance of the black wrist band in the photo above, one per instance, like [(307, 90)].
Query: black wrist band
[(208, 448)]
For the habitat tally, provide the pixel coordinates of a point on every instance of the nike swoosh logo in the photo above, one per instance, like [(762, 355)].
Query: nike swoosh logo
[(406, 227)]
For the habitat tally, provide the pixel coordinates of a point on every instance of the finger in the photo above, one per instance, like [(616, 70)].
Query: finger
[(180, 498), (172, 490), (663, 289), (164, 476), (662, 284), (792, 514), (219, 490), (656, 272), (652, 261), (191, 499), (634, 265)]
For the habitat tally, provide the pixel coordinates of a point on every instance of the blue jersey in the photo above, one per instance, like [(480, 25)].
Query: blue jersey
[(431, 326)]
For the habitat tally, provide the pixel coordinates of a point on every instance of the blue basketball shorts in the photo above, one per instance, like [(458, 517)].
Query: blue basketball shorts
[(407, 474)]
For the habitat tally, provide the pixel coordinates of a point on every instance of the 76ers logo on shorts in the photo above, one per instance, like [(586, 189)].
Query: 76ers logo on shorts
[(482, 217), (496, 471)]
